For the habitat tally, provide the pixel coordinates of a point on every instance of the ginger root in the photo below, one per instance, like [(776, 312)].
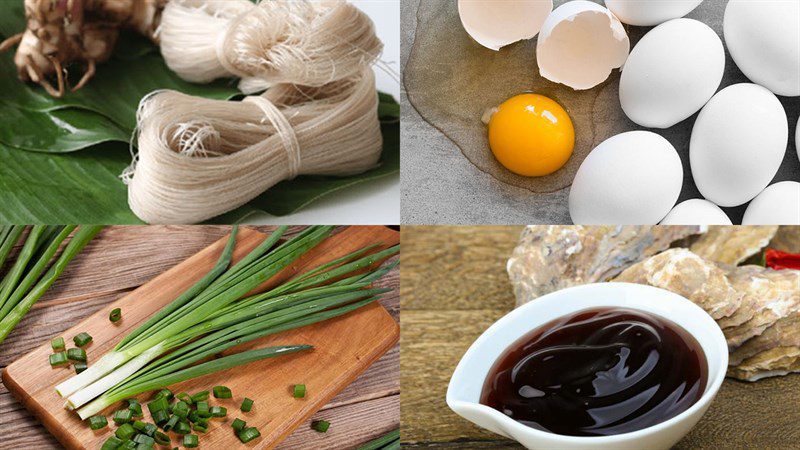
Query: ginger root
[(61, 33)]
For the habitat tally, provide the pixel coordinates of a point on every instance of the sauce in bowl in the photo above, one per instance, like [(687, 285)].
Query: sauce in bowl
[(598, 372)]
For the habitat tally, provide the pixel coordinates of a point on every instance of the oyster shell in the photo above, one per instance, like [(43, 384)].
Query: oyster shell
[(732, 245), (549, 258), (787, 239), (776, 362)]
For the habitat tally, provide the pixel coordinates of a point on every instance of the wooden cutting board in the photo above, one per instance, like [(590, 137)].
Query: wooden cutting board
[(343, 348)]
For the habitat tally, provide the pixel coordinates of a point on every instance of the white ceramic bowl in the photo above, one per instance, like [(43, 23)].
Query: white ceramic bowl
[(464, 391)]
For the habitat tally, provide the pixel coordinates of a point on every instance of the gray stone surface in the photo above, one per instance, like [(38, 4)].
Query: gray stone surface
[(440, 186)]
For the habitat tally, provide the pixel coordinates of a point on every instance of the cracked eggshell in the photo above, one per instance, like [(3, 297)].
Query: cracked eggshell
[(671, 73), (632, 178), (763, 38), (778, 204), (738, 143), (646, 13), (696, 212), (495, 24), (580, 44)]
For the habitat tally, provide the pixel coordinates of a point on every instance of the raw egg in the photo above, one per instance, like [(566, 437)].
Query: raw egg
[(531, 135)]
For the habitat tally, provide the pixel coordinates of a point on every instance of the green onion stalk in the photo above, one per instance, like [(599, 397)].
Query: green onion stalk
[(32, 273), (216, 315)]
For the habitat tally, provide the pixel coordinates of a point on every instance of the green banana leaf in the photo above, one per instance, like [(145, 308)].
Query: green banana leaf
[(84, 187)]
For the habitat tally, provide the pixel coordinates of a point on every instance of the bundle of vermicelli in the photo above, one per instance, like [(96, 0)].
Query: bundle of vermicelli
[(299, 42), (200, 158)]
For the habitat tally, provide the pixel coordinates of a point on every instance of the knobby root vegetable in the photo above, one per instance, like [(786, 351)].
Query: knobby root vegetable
[(200, 158)]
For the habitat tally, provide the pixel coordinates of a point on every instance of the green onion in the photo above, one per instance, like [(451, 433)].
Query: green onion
[(215, 315), (247, 404), (130, 445), (79, 366), (219, 411), (321, 425), (82, 339), (76, 354), (30, 276), (186, 398), (200, 396), (126, 431), (135, 407), (115, 315), (248, 434), (202, 409), (383, 442), (171, 423), (97, 422), (58, 359), (165, 393), (144, 427), (123, 416), (160, 417), (200, 427), (222, 392), (182, 428), (58, 344), (299, 390), (181, 409), (144, 439), (238, 424), (193, 417), (161, 438), (190, 441), (159, 404), (112, 443)]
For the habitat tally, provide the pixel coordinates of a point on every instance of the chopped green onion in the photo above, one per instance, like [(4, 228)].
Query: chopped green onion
[(160, 417), (97, 422), (126, 431), (58, 344), (248, 434), (182, 428), (164, 393), (144, 439), (144, 427), (76, 354), (193, 417), (82, 339), (112, 443), (80, 367), (129, 445), (115, 315), (200, 427), (202, 409), (123, 416), (222, 392), (238, 424), (181, 409), (171, 423), (219, 411), (159, 404), (320, 425), (136, 407), (200, 396), (186, 398), (299, 390), (247, 404), (58, 359), (190, 441), (161, 438)]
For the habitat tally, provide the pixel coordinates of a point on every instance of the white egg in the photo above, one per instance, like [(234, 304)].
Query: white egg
[(696, 212), (495, 24), (763, 38), (580, 44), (671, 73), (738, 143), (647, 13), (779, 204), (632, 178)]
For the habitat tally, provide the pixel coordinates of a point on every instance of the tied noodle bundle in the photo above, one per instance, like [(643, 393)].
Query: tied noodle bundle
[(200, 158), (298, 42)]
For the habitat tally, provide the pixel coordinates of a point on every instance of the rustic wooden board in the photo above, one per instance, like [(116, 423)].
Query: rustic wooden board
[(454, 285), (326, 370)]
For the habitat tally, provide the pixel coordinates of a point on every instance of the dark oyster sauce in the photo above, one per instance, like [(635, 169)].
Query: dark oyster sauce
[(598, 372)]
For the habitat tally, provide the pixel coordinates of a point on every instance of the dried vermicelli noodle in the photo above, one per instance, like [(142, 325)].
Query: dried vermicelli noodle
[(275, 41), (200, 158)]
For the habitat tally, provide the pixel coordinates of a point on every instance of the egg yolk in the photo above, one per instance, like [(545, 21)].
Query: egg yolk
[(531, 135)]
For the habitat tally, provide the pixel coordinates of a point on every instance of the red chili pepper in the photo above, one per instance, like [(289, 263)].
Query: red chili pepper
[(778, 260)]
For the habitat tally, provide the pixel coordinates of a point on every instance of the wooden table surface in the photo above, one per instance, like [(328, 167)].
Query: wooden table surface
[(454, 285), (122, 258)]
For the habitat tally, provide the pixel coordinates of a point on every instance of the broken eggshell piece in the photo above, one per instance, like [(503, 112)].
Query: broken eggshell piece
[(495, 24), (646, 13), (580, 44)]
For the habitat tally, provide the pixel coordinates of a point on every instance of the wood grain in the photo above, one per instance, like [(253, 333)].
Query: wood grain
[(447, 304), (379, 382)]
